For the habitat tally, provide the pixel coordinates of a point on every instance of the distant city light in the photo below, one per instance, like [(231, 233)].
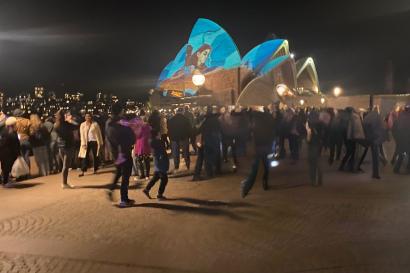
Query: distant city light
[(337, 91)]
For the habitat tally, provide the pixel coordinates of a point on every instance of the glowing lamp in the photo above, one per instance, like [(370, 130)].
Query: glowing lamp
[(302, 102), (198, 79), (322, 100), (281, 89), (337, 91)]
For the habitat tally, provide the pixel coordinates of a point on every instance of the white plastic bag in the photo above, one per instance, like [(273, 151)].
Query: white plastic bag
[(20, 168)]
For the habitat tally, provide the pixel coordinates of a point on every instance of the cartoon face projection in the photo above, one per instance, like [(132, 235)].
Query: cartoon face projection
[(198, 58)]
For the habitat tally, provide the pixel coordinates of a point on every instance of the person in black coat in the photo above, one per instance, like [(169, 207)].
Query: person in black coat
[(179, 131), (263, 135), (66, 144), (154, 121), (121, 140), (9, 148)]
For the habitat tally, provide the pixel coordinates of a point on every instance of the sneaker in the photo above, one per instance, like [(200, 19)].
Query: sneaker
[(67, 186), (110, 195), (234, 168), (160, 197), (8, 185), (126, 204), (81, 175), (146, 192)]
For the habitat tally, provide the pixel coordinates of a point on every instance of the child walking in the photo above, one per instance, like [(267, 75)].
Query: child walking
[(161, 166)]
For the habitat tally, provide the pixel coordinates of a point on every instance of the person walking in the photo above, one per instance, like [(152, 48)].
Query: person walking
[(9, 148), (263, 136), (353, 134), (66, 144), (179, 129), (315, 138), (23, 132), (142, 150), (121, 138), (161, 166), (373, 129), (52, 148), (91, 141), (39, 140), (164, 131)]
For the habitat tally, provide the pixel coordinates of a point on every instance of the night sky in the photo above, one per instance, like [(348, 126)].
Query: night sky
[(122, 46)]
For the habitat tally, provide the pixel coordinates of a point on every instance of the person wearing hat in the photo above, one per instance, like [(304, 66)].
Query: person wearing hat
[(9, 148), (23, 131)]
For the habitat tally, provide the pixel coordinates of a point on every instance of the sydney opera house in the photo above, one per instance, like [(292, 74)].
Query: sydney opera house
[(210, 66)]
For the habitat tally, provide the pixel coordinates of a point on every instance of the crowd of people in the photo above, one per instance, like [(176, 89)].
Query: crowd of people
[(214, 135)]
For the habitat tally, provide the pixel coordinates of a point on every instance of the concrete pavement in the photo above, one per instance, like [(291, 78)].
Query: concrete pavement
[(352, 224)]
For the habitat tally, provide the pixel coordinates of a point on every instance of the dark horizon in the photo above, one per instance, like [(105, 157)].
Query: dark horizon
[(122, 48)]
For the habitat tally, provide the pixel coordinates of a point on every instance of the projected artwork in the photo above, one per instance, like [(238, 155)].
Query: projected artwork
[(210, 64), (209, 49)]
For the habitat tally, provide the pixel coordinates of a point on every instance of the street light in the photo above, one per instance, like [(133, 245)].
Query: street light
[(292, 55), (337, 91), (198, 78), (281, 89)]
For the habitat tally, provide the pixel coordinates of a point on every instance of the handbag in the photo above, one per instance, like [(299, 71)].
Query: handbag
[(20, 168)]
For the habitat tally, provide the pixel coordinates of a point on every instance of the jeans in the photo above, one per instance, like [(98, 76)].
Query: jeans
[(164, 181), (349, 156), (175, 147), (212, 158), (92, 146), (199, 162), (250, 180), (229, 142), (144, 164), (123, 170), (66, 156), (42, 160), (294, 146), (55, 164)]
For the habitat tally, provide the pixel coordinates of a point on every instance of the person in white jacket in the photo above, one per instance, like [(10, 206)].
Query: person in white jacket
[(91, 141)]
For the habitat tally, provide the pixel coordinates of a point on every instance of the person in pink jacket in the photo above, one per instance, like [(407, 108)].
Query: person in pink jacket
[(143, 150)]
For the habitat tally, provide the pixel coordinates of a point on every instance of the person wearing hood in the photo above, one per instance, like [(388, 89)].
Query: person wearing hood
[(402, 126)]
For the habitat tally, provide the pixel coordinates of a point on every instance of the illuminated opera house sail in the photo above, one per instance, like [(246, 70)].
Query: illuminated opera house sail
[(210, 65)]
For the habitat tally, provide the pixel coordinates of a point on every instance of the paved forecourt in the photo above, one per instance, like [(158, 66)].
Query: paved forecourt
[(351, 224)]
